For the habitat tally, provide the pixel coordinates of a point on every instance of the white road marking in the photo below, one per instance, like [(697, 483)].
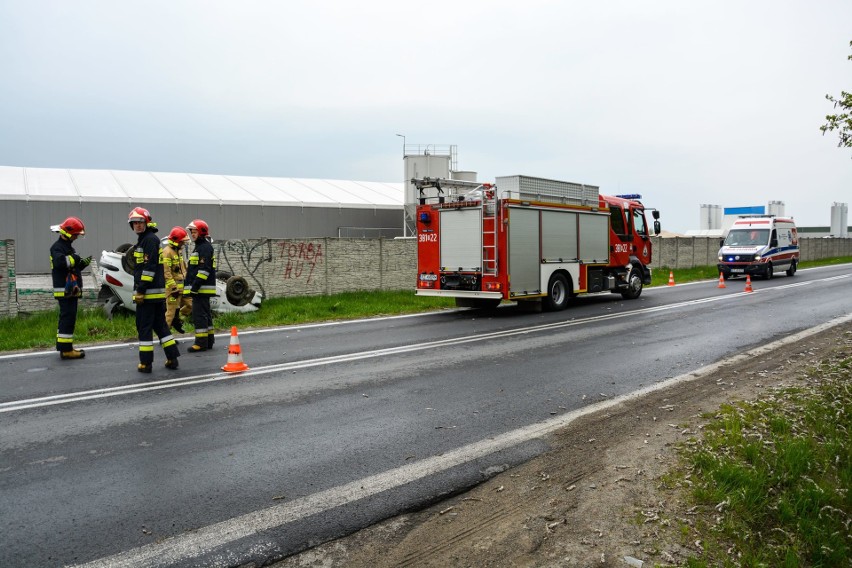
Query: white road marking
[(177, 549)]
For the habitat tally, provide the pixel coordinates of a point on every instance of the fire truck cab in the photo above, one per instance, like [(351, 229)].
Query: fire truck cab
[(529, 239)]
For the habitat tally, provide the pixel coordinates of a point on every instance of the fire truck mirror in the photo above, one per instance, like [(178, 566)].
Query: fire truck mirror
[(657, 229)]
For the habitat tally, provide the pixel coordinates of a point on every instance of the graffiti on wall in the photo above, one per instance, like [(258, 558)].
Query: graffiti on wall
[(244, 258), (300, 259)]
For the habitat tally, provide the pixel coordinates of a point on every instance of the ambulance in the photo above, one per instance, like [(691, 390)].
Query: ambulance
[(760, 245)]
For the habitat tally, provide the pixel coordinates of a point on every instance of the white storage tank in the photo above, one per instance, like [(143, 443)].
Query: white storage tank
[(839, 220), (711, 217), (776, 208)]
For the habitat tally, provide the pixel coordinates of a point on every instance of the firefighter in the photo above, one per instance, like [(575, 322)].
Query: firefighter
[(149, 292), (65, 268), (201, 285), (174, 270)]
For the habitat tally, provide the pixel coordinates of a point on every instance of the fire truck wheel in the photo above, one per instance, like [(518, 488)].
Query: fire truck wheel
[(634, 286), (769, 271), (558, 294), (792, 270)]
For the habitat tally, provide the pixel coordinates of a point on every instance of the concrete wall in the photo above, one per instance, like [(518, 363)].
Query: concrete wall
[(8, 295), (309, 267), (305, 267)]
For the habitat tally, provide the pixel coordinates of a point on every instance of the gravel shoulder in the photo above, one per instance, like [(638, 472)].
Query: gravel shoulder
[(596, 498)]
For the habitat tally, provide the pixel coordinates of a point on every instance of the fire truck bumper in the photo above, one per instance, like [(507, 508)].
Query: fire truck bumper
[(458, 293)]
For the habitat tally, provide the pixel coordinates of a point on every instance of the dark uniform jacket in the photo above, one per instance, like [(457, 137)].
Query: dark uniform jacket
[(201, 274), (64, 260), (148, 278)]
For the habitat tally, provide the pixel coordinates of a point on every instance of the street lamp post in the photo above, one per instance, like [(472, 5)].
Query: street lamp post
[(403, 144)]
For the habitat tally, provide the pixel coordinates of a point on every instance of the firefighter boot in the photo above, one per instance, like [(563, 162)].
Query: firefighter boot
[(73, 354), (144, 367), (171, 364), (210, 341), (195, 348), (177, 323)]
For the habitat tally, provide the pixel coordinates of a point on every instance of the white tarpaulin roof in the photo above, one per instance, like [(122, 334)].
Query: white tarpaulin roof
[(50, 184)]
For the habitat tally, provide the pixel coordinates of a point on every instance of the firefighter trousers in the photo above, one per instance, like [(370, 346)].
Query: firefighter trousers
[(202, 319), (150, 319), (175, 303), (67, 321)]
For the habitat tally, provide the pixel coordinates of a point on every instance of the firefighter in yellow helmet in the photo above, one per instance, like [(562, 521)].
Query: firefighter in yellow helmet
[(65, 268), (174, 270)]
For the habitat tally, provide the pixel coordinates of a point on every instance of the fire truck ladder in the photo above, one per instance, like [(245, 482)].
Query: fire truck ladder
[(489, 235)]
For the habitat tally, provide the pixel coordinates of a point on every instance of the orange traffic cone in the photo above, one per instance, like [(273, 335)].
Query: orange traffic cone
[(748, 283), (671, 278), (235, 357), (721, 281)]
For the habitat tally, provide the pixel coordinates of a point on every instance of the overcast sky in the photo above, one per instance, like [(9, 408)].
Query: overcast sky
[(685, 102)]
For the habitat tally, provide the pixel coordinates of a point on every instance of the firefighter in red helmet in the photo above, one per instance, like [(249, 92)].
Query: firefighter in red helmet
[(65, 269), (201, 285), (149, 292), (174, 270)]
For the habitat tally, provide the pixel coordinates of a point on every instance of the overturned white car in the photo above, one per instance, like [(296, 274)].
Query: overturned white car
[(115, 269)]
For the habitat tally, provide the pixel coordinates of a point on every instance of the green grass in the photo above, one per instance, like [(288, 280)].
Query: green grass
[(771, 478), (660, 276), (38, 330)]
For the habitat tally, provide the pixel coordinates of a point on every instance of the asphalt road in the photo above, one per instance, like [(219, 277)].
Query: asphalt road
[(338, 425)]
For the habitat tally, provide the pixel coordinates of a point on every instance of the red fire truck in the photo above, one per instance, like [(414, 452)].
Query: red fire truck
[(528, 239)]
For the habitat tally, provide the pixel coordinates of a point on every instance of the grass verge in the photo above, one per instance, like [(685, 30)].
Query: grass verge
[(38, 330), (770, 478), (660, 276)]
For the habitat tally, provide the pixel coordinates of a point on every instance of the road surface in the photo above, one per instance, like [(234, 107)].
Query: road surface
[(337, 425)]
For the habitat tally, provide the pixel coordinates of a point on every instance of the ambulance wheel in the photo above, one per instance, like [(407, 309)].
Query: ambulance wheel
[(769, 271), (792, 270), (634, 286), (558, 294)]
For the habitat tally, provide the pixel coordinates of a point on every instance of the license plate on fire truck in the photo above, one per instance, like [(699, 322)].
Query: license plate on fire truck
[(738, 270), (428, 277)]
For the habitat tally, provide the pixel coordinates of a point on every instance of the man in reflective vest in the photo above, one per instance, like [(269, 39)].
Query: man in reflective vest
[(149, 293), (201, 285), (65, 268)]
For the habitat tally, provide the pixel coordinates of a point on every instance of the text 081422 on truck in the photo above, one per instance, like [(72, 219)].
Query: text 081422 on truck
[(528, 239)]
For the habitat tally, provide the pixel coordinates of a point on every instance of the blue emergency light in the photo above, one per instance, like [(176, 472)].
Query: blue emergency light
[(630, 196)]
